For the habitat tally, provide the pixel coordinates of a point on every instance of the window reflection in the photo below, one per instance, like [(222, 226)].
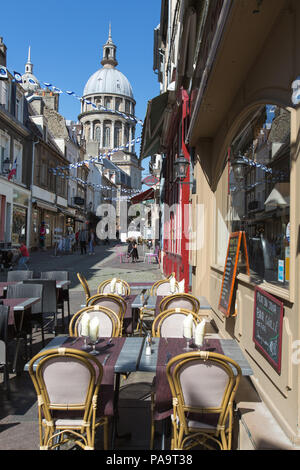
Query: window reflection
[(259, 183)]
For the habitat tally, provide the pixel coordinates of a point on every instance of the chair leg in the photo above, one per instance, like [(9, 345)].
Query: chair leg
[(6, 381)]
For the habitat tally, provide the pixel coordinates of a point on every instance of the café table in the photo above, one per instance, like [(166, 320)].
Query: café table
[(163, 349), (122, 356), (18, 309)]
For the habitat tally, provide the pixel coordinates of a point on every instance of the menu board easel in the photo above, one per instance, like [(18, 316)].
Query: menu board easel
[(235, 248)]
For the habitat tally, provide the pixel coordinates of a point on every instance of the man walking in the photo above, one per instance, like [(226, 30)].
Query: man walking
[(83, 238)]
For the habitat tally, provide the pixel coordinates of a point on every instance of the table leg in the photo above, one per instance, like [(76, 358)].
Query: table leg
[(115, 433), (18, 337)]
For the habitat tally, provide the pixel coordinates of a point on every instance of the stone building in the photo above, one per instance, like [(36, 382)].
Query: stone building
[(15, 159), (107, 115)]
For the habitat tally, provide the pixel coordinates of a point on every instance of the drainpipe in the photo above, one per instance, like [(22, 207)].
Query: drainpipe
[(209, 62), (29, 213)]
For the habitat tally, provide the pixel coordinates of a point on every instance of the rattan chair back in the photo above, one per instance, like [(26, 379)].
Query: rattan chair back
[(181, 300), (112, 301), (203, 385), (163, 287), (110, 323), (67, 383), (85, 285), (105, 287), (169, 323)]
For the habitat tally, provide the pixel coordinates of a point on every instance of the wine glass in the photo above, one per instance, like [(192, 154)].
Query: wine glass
[(86, 346), (188, 336), (94, 341)]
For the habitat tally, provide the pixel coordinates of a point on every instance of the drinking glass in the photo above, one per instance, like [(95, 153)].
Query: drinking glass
[(86, 346), (188, 339), (94, 352)]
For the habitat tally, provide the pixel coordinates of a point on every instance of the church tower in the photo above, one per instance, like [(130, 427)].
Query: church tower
[(108, 115)]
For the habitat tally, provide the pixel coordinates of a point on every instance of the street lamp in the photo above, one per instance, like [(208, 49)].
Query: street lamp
[(181, 166), (238, 166)]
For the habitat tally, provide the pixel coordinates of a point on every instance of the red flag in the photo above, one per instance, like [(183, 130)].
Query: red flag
[(13, 171)]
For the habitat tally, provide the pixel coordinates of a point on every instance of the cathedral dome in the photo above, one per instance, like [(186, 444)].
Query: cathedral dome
[(108, 80)]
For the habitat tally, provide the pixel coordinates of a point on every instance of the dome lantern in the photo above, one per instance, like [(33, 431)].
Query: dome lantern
[(109, 52)]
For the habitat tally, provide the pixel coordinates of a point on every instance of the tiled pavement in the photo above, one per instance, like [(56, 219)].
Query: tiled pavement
[(18, 416)]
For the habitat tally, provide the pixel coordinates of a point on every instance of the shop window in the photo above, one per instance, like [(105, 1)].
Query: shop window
[(19, 224), (259, 193)]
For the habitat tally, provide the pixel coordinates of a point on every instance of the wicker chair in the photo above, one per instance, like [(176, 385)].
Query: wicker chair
[(203, 385), (110, 324), (105, 287), (115, 302), (85, 286), (162, 287), (180, 300), (67, 384), (167, 324)]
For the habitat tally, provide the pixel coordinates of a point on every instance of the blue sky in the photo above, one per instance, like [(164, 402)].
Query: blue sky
[(66, 39)]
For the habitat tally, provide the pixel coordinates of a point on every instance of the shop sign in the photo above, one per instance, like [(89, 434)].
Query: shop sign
[(267, 326), (150, 180), (281, 270)]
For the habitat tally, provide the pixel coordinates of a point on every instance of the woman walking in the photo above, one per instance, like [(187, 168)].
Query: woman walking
[(91, 242)]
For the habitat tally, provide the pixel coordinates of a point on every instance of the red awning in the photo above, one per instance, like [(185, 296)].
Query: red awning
[(144, 196)]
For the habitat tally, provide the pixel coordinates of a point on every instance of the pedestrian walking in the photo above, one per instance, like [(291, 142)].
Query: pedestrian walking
[(83, 238), (129, 248), (91, 242), (134, 254), (24, 256), (42, 236)]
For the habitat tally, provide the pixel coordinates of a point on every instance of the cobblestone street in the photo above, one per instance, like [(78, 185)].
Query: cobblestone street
[(18, 416)]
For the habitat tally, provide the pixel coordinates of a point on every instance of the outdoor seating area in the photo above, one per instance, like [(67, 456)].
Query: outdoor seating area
[(125, 328)]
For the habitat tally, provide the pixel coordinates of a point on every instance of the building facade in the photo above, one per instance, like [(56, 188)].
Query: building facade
[(237, 65)]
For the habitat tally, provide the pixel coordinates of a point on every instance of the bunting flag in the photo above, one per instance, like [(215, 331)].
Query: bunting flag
[(18, 77), (3, 72)]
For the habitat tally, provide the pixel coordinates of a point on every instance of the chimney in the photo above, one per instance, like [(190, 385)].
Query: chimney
[(2, 52)]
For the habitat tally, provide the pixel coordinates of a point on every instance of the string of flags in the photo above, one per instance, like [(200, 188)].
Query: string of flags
[(99, 187), (18, 78), (100, 156)]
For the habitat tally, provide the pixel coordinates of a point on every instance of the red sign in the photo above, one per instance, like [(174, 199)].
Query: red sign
[(150, 180)]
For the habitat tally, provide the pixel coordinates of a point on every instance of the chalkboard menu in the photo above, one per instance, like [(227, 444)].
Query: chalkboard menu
[(230, 270), (267, 326)]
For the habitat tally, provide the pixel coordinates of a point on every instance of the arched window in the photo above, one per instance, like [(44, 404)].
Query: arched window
[(97, 133), (118, 134), (107, 132), (118, 104)]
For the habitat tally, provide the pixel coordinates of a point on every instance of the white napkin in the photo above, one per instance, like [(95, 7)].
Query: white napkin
[(172, 285), (120, 288), (188, 326), (113, 285), (181, 286), (94, 328), (85, 324), (199, 333)]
